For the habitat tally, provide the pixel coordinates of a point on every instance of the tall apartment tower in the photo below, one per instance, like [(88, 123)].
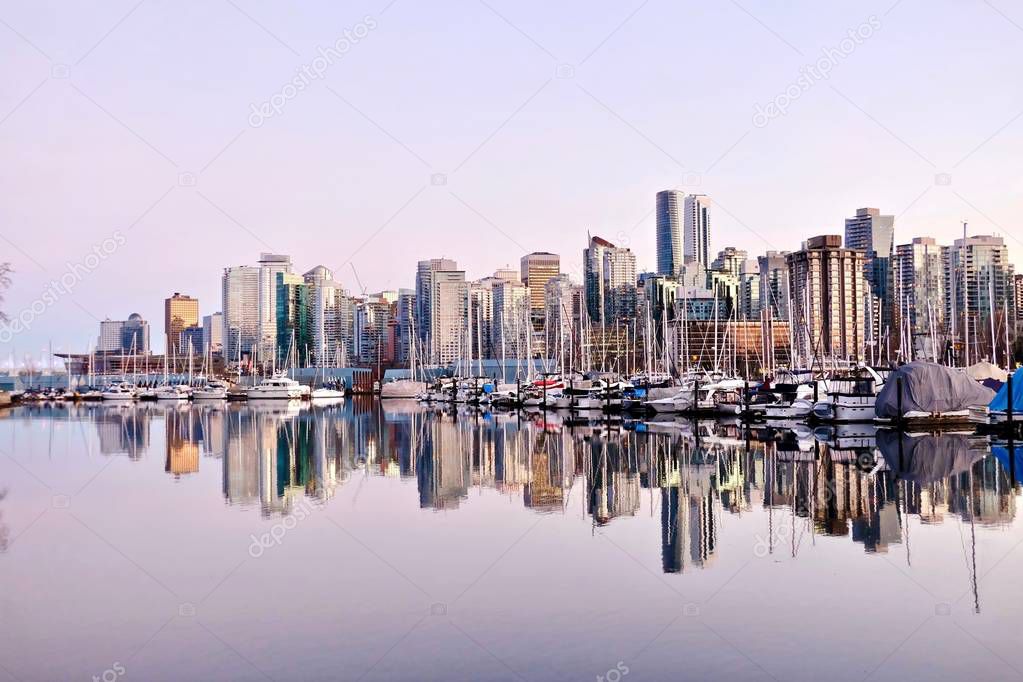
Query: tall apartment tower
[(536, 269), (828, 293), (424, 282), (620, 292), (442, 309), (669, 207), (874, 234), (979, 282), (696, 230), (918, 271), (213, 333), (774, 285), (270, 265), (179, 312), (609, 282), (593, 277), (240, 303)]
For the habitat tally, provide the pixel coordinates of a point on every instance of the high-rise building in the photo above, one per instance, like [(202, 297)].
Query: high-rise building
[(669, 207), (1017, 297), (774, 284), (424, 283), (730, 260), (404, 312), (442, 299), (593, 277), (270, 265), (566, 304), (213, 333), (829, 292), (620, 291), (749, 290), (331, 319), (372, 321), (240, 303), (874, 234), (124, 336), (190, 341), (536, 269), (294, 321), (510, 323), (919, 275), (696, 229), (179, 311), (978, 282)]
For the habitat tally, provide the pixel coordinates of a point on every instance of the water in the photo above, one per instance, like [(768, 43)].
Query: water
[(242, 542)]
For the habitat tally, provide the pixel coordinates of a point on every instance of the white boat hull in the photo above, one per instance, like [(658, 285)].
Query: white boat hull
[(403, 388)]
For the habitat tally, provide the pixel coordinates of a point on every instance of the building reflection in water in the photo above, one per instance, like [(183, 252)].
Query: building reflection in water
[(846, 483)]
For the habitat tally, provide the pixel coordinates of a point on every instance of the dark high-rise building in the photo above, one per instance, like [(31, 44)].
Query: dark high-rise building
[(669, 207)]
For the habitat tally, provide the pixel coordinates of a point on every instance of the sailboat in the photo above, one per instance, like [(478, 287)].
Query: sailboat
[(406, 388)]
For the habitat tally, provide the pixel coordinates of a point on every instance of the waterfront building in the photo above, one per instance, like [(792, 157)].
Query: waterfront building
[(535, 270), (270, 265), (510, 325), (124, 336), (404, 316), (669, 207), (213, 333), (730, 260), (749, 290), (620, 292), (696, 229), (874, 234), (331, 319), (179, 311), (240, 304), (294, 321), (425, 275), (593, 277), (373, 317), (566, 305), (829, 293), (919, 275), (774, 285), (444, 309), (978, 282), (1017, 295), (190, 342)]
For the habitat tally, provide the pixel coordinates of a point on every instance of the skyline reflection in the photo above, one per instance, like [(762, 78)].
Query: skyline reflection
[(850, 483)]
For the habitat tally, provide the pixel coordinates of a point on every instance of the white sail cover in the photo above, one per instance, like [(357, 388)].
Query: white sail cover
[(930, 388), (986, 370)]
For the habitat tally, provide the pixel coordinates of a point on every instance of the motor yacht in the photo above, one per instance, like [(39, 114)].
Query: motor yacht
[(278, 387)]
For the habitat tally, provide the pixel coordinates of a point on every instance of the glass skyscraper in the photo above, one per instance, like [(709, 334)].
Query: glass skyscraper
[(669, 208)]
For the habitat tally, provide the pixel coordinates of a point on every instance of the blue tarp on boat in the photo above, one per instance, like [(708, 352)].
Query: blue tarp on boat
[(1001, 400), (1002, 453)]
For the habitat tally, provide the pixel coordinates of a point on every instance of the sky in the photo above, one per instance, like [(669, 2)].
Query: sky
[(148, 145)]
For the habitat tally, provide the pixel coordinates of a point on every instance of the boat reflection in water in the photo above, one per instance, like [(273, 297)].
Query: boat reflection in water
[(846, 481)]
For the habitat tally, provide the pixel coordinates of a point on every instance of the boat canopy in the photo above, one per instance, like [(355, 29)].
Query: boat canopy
[(928, 458), (986, 370), (929, 387), (1001, 400)]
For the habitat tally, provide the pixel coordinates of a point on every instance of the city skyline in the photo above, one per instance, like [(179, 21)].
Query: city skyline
[(230, 185)]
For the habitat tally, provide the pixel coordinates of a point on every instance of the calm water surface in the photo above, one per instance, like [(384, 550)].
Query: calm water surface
[(349, 542)]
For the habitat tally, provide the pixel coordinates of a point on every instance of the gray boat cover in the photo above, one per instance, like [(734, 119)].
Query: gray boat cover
[(928, 458), (931, 388)]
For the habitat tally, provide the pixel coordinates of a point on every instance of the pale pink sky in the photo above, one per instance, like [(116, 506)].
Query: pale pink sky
[(548, 120)]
